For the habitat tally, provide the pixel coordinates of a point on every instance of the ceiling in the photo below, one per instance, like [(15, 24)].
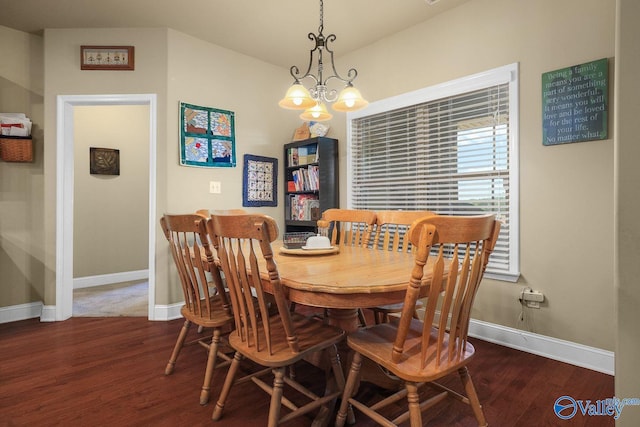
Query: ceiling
[(274, 31)]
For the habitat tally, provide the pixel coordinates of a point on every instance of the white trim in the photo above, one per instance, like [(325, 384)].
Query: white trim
[(553, 348), (18, 312), (48, 313), (108, 279), (167, 312), (64, 192)]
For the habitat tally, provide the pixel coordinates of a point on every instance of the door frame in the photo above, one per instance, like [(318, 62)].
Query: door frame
[(64, 192)]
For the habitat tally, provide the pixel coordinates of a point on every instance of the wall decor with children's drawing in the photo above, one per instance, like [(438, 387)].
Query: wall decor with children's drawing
[(207, 137), (260, 181)]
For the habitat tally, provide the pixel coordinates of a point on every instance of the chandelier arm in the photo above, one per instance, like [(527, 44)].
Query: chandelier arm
[(351, 74), (295, 71)]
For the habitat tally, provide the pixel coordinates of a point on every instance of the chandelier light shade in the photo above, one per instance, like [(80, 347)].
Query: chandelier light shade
[(297, 98), (349, 99), (317, 113), (313, 99)]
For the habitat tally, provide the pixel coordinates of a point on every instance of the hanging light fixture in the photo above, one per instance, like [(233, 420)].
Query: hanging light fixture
[(313, 99)]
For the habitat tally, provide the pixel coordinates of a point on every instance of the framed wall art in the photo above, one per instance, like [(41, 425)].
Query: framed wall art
[(207, 137), (104, 161), (575, 103), (260, 181), (107, 58)]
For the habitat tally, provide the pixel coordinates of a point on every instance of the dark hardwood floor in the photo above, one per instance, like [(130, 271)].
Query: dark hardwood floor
[(110, 372)]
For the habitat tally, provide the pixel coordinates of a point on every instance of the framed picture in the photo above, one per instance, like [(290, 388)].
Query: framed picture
[(104, 161), (260, 181), (107, 58), (207, 137)]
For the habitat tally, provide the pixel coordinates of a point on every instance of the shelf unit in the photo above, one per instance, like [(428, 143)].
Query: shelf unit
[(313, 162)]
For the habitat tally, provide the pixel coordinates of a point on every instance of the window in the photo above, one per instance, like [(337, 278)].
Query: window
[(451, 149)]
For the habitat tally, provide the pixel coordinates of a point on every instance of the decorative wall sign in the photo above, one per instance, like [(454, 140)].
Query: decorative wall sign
[(207, 137), (575, 103), (104, 161), (260, 181), (107, 58)]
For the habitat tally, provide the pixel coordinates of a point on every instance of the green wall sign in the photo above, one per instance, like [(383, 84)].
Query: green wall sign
[(575, 103)]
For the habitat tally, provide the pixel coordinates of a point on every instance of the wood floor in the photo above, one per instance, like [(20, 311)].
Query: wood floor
[(110, 372)]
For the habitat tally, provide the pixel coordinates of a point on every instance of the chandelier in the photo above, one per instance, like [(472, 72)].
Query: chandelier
[(313, 99)]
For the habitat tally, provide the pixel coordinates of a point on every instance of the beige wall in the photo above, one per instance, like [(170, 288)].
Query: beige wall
[(111, 212), (22, 250), (566, 192), (176, 68), (627, 233)]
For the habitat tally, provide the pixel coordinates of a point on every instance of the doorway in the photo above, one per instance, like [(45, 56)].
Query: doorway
[(65, 191)]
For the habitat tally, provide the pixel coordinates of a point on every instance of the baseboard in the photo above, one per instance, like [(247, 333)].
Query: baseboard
[(107, 279), (18, 312), (48, 313), (167, 312), (564, 351)]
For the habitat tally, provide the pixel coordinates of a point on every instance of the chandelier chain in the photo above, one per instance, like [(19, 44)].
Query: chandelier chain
[(321, 27)]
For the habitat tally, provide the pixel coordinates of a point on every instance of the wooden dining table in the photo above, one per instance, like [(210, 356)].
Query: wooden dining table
[(342, 282)]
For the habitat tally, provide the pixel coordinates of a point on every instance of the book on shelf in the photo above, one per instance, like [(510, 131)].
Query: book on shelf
[(312, 154), (306, 179), (302, 155), (293, 157), (304, 207)]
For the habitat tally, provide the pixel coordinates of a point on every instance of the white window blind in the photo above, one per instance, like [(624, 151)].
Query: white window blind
[(453, 155)]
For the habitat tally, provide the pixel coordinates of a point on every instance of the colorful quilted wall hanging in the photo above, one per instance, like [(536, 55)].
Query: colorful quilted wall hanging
[(207, 137)]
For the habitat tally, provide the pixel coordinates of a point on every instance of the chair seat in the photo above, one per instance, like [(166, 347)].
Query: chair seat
[(312, 334), (376, 343), (218, 315)]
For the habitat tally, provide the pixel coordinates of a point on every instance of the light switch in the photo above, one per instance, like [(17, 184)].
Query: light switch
[(215, 187)]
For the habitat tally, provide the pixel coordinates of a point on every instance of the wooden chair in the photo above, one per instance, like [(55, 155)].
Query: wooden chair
[(348, 227), (390, 234), (419, 352), (274, 342), (188, 240)]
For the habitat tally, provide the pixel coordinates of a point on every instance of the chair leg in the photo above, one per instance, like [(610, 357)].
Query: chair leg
[(211, 365), (338, 374), (276, 397), (361, 319), (349, 389), (473, 396), (228, 382), (176, 349), (415, 414)]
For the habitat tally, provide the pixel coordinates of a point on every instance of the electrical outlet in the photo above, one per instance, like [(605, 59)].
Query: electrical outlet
[(533, 296), (215, 187)]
